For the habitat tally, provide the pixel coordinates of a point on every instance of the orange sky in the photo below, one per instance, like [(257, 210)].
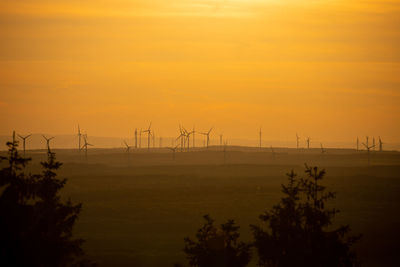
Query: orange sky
[(327, 69)]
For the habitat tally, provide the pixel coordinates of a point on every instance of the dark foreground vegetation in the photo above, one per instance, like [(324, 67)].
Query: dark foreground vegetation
[(35, 225), (296, 232), (111, 210)]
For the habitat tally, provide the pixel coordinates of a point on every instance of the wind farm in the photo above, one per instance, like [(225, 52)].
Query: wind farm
[(185, 143), (199, 133), (180, 171)]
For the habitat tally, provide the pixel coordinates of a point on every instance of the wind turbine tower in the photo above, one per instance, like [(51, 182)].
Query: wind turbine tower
[(358, 144), (308, 142), (194, 131), (297, 140), (154, 139), (136, 143), (79, 137), (181, 137), (373, 143), (380, 144), (323, 150), (207, 134), (273, 152), (140, 138), (188, 134), (260, 137), (225, 150), (148, 131)]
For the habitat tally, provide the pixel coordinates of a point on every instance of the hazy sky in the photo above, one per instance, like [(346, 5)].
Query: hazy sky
[(327, 69)]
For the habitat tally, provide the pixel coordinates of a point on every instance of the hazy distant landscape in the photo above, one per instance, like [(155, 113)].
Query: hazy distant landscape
[(69, 141), (160, 112), (139, 206)]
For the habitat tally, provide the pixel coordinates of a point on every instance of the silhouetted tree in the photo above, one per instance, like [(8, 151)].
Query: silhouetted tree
[(35, 225), (298, 227), (217, 246)]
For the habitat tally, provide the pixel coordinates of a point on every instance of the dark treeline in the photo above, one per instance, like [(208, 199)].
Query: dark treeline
[(295, 232), (36, 225)]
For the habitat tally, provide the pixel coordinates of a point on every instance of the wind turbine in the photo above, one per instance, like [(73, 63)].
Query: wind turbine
[(273, 152), (373, 143), (173, 150), (368, 149), (308, 142), (188, 137), (220, 139), (181, 137), (380, 144), (297, 141), (358, 144), (48, 142), (323, 150), (136, 143), (194, 131), (184, 137), (208, 136), (127, 146), (79, 137), (148, 131), (260, 137), (153, 135), (23, 141), (140, 138), (225, 150), (86, 144)]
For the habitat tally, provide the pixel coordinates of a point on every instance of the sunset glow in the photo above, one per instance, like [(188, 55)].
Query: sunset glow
[(329, 69)]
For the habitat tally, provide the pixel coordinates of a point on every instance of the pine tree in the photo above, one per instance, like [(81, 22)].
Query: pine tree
[(35, 224), (217, 247), (300, 227)]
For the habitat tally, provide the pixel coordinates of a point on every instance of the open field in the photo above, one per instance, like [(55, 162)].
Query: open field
[(138, 207)]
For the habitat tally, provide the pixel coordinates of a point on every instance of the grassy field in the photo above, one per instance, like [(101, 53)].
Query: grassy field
[(137, 208)]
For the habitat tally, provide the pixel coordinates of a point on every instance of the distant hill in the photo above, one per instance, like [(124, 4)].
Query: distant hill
[(36, 141)]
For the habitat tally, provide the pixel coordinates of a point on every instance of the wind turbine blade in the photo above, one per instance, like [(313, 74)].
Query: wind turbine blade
[(365, 145)]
